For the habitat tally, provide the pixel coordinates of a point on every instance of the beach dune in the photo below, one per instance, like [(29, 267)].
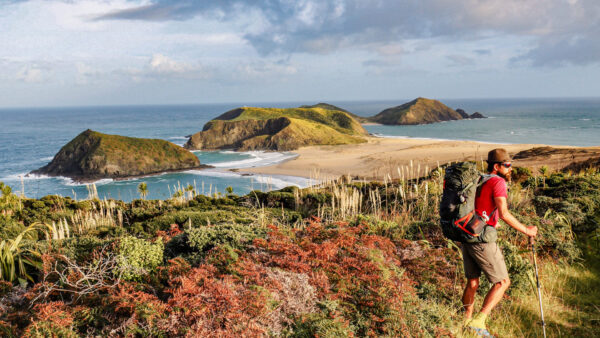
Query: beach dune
[(379, 157)]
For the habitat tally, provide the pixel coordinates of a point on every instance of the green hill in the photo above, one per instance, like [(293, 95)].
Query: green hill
[(251, 128), (93, 155), (332, 107), (418, 111)]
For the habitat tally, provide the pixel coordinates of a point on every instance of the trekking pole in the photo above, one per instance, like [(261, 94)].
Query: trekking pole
[(537, 278)]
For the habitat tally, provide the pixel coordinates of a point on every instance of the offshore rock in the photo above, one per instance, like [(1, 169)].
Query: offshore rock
[(418, 111), (463, 113), (477, 115), (92, 155)]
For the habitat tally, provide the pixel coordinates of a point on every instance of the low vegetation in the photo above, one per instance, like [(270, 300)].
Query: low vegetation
[(251, 128), (339, 259)]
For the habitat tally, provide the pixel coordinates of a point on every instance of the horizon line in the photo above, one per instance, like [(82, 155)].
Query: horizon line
[(404, 100)]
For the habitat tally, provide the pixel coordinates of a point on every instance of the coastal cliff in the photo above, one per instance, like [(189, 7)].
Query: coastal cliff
[(250, 128), (92, 155), (418, 111)]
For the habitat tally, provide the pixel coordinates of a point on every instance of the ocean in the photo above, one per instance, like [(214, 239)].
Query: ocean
[(30, 137)]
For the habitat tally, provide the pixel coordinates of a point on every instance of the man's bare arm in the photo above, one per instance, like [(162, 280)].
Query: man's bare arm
[(507, 217)]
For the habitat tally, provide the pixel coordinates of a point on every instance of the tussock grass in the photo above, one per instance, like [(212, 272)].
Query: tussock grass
[(570, 295)]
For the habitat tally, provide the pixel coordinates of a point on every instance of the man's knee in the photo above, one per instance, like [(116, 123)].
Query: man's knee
[(473, 283), (505, 283)]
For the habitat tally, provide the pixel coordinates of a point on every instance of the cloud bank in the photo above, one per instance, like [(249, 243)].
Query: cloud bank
[(561, 31)]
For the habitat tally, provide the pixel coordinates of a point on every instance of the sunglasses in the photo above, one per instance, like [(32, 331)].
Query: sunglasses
[(505, 164)]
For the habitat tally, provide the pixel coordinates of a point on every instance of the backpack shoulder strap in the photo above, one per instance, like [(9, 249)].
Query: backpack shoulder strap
[(484, 178)]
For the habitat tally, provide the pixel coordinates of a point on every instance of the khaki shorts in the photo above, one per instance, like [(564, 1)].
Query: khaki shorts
[(486, 257)]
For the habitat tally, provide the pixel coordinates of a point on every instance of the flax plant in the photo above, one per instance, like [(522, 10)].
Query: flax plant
[(14, 258)]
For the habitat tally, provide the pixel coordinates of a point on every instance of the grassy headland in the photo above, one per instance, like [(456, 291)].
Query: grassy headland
[(251, 128), (340, 259)]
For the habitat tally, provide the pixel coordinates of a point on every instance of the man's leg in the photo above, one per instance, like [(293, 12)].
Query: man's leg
[(489, 257), (494, 295), (469, 296)]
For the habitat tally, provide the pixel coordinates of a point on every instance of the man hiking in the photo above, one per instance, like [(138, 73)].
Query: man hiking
[(487, 257)]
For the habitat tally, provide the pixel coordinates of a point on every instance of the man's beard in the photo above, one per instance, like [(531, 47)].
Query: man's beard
[(506, 176)]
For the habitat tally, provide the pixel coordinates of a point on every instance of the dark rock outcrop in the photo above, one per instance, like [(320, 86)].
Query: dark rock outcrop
[(92, 155), (463, 113), (477, 115)]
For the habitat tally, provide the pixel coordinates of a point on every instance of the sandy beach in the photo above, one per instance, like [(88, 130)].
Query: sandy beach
[(382, 156)]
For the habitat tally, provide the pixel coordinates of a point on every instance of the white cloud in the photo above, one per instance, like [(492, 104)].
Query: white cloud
[(231, 46), (85, 74), (263, 70), (30, 74), (391, 49), (161, 67), (458, 60), (164, 65), (306, 26)]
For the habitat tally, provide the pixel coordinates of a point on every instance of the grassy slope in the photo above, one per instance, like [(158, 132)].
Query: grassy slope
[(308, 126), (392, 238), (332, 107), (337, 120), (146, 152)]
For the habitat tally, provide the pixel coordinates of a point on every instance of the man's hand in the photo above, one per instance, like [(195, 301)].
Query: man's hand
[(507, 217), (531, 231)]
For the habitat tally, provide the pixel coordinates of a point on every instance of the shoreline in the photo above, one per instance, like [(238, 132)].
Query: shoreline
[(382, 157), (93, 180)]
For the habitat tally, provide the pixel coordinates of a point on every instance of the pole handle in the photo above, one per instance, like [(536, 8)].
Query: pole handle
[(531, 240)]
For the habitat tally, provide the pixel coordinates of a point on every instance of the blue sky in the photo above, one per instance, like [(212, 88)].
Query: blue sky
[(107, 52)]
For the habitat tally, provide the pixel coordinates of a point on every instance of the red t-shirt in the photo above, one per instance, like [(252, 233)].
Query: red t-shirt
[(494, 187)]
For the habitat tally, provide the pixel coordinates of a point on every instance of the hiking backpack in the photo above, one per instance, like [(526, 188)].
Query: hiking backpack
[(458, 218)]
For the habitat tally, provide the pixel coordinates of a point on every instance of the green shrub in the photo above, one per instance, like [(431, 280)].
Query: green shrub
[(222, 257), (236, 236), (196, 218), (276, 199), (82, 248), (521, 174), (9, 227), (137, 257), (325, 323)]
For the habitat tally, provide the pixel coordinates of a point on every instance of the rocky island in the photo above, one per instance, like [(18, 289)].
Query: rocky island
[(92, 155), (251, 128), (421, 111)]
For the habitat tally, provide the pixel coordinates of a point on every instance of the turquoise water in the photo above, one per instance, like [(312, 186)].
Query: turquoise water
[(30, 137), (574, 122)]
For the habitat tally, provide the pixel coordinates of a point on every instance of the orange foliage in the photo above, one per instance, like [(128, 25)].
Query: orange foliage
[(209, 305), (346, 264), (50, 317), (169, 234)]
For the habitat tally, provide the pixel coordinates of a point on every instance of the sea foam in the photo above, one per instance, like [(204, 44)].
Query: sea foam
[(258, 159)]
